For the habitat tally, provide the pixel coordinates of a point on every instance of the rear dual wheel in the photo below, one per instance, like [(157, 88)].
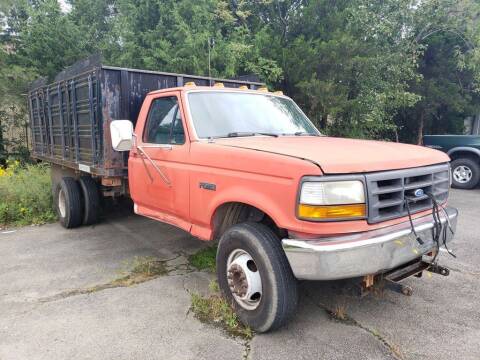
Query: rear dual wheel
[(77, 202), (68, 202), (91, 200)]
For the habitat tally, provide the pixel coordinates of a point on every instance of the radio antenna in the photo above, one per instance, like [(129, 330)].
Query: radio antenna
[(211, 44)]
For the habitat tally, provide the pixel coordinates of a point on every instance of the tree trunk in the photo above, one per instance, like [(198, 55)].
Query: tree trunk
[(421, 125), (323, 121), (2, 145)]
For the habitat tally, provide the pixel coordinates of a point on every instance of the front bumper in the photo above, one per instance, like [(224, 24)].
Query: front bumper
[(365, 253)]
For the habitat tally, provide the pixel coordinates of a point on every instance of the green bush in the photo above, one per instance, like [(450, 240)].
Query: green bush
[(25, 195)]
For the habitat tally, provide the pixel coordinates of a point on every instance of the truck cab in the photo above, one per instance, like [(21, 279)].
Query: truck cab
[(247, 168)]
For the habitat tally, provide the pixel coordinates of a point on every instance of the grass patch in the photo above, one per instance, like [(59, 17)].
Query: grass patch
[(214, 309), (340, 312), (204, 259), (142, 269), (25, 195)]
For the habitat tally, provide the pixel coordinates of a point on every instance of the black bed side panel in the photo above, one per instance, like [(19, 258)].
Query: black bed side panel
[(70, 118), (65, 121)]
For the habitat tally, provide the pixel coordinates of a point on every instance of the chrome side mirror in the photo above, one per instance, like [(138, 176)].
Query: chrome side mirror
[(121, 132)]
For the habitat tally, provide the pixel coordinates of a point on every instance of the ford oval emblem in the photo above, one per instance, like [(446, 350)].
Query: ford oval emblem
[(419, 193)]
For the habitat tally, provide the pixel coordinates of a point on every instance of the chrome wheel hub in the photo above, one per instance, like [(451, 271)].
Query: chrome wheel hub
[(61, 203), (462, 174), (244, 279)]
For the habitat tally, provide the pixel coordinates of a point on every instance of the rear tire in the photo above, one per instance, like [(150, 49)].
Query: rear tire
[(68, 203), (91, 200), (246, 253), (465, 173)]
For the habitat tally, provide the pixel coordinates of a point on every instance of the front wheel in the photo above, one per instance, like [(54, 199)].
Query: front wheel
[(465, 173), (255, 276)]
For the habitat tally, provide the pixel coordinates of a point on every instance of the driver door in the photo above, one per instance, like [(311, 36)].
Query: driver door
[(159, 173)]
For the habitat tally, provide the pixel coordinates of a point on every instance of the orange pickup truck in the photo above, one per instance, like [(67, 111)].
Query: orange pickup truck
[(246, 167)]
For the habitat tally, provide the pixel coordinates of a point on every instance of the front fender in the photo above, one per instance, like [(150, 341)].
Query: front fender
[(266, 181)]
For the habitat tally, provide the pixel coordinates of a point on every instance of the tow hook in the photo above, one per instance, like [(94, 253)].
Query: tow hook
[(438, 269)]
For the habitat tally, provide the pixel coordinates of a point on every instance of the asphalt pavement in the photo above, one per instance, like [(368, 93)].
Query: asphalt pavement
[(53, 304)]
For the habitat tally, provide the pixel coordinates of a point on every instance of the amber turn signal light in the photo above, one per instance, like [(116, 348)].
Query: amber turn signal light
[(326, 212)]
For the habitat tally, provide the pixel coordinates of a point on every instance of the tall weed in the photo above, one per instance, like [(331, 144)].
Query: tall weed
[(25, 195)]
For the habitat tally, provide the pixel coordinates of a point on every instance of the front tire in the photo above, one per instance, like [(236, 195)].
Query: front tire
[(255, 276), (68, 203), (465, 173)]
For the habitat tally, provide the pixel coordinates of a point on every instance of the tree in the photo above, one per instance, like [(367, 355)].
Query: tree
[(346, 62), (174, 36), (384, 69), (94, 20), (44, 39), (448, 33)]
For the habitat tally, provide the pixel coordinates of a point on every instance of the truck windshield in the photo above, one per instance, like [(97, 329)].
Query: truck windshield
[(231, 114)]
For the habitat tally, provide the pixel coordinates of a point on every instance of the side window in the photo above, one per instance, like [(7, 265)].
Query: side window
[(178, 136), (164, 122)]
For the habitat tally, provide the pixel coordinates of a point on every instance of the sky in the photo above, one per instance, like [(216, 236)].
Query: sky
[(65, 7)]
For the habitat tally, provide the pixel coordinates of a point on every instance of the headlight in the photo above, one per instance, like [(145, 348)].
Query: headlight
[(332, 200)]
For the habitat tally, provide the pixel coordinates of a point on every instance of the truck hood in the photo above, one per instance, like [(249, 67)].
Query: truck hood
[(339, 155)]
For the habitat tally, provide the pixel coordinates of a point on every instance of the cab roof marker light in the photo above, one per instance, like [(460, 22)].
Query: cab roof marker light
[(263, 89), (278, 92), (219, 85), (190, 83), (243, 87)]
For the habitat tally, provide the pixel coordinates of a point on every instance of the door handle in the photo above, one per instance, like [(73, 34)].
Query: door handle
[(158, 146)]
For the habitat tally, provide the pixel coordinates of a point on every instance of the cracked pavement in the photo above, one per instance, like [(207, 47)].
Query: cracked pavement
[(151, 320)]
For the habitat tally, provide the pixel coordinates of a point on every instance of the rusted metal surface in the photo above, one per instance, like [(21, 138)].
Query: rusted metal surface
[(412, 268), (368, 281), (70, 118), (111, 181), (122, 172), (237, 280)]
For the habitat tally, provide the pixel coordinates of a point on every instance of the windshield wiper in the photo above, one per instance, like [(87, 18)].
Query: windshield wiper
[(240, 134), (304, 133)]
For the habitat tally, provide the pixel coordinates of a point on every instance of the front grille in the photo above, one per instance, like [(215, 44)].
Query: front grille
[(387, 190)]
